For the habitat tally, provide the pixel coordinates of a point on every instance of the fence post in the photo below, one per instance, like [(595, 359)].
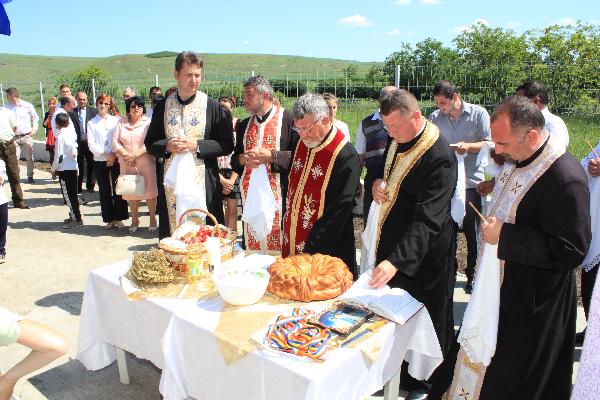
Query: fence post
[(94, 90), (2, 91), (397, 77), (42, 98), (251, 73), (346, 73), (156, 80)]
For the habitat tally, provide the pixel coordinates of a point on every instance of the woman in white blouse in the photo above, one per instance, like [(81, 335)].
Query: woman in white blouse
[(106, 167)]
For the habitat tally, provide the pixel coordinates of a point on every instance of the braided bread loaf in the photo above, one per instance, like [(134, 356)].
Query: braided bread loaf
[(306, 277)]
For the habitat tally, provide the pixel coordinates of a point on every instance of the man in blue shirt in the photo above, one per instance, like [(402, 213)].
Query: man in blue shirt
[(465, 126)]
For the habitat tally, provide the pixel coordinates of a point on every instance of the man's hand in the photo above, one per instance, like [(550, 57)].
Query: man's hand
[(461, 148), (53, 174), (379, 195), (594, 167), (179, 145), (251, 158), (491, 230), (264, 155), (382, 274), (486, 187)]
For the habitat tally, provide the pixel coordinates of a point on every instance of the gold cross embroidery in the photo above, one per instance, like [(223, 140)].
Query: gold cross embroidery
[(516, 188), (464, 394)]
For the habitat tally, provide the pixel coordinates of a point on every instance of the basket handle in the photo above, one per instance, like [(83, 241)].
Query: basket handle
[(191, 210)]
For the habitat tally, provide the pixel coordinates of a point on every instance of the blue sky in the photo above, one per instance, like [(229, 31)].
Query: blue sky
[(364, 30)]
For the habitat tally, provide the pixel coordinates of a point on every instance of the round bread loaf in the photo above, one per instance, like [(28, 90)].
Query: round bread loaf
[(306, 277)]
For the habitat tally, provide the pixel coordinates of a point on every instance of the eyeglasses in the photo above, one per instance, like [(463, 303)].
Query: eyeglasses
[(306, 130)]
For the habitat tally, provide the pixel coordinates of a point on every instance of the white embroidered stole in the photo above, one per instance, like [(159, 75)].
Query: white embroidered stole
[(511, 186), (191, 119)]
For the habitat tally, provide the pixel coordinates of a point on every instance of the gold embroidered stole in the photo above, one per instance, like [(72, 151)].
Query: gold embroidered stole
[(308, 180), (267, 136), (191, 119), (397, 166), (511, 186)]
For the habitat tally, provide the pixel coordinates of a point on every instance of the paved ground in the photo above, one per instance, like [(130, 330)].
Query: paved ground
[(44, 278)]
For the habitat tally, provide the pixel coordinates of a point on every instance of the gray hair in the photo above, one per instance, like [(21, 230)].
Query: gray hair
[(399, 100), (310, 103), (260, 84)]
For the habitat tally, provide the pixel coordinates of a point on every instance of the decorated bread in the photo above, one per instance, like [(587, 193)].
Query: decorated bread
[(173, 245), (306, 277)]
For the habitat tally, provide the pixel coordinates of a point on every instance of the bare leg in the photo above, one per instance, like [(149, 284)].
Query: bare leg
[(134, 206), (46, 346), (152, 211), (231, 214)]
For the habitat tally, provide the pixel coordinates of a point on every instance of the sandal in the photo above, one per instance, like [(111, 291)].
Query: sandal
[(152, 228), (119, 225), (133, 228), (109, 225)]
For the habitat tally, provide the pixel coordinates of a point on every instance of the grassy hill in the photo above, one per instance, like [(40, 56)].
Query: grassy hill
[(22, 68)]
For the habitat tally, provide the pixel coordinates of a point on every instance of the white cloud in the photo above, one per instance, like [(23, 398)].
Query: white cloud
[(567, 21), (432, 2), (402, 2), (245, 42), (355, 20), (398, 32), (469, 28), (513, 24)]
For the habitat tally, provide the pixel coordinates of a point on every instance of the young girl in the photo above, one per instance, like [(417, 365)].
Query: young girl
[(65, 166)]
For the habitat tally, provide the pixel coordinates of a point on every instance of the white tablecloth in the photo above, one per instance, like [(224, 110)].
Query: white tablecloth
[(177, 336)]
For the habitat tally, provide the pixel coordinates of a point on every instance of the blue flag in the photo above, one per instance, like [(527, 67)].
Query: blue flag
[(4, 21)]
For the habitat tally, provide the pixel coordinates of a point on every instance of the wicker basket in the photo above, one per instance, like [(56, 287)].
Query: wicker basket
[(177, 258)]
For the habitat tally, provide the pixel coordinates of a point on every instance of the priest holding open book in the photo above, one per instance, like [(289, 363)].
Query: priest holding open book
[(414, 246)]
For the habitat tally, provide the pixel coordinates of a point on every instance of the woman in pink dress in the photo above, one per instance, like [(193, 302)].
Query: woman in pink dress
[(128, 144)]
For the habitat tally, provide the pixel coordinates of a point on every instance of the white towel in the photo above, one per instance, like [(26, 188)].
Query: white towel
[(593, 256), (260, 207), (479, 331), (369, 237), (188, 187), (457, 205)]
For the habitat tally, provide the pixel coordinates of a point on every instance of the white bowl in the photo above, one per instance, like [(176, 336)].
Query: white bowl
[(241, 286)]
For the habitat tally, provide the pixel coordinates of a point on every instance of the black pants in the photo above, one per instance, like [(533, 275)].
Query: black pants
[(8, 153), (3, 226), (85, 162), (113, 207), (471, 229), (588, 279), (68, 184)]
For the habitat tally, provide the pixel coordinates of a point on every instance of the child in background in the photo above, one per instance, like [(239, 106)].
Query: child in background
[(65, 166), (3, 212)]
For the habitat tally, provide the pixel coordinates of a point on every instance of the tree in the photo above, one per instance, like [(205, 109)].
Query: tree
[(81, 80), (351, 72)]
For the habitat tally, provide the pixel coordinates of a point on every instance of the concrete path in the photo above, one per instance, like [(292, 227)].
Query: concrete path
[(44, 278)]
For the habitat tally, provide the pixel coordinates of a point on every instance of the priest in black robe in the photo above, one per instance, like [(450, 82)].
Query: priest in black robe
[(323, 178), (189, 120), (415, 250), (540, 243)]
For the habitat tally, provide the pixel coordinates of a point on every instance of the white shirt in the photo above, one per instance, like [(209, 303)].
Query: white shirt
[(100, 134), (57, 111), (7, 123), (25, 115), (556, 126), (342, 126), (65, 150), (149, 112), (361, 140)]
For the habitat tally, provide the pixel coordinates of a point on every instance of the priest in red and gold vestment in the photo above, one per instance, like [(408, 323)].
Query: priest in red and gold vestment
[(265, 138), (323, 179)]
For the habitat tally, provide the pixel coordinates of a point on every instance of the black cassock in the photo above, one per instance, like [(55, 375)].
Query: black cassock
[(416, 236), (538, 304), (218, 141), (333, 232)]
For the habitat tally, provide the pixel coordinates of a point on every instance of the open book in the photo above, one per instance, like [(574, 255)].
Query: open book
[(394, 304)]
